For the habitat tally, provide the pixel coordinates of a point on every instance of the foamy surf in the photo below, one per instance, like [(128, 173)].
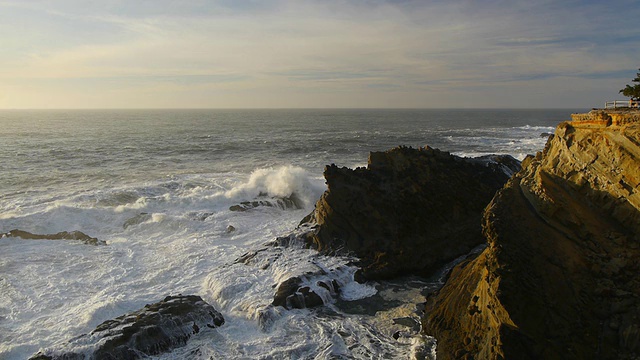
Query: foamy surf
[(158, 188), (161, 239)]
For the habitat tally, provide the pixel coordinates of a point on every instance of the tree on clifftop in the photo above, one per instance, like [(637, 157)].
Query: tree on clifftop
[(633, 91)]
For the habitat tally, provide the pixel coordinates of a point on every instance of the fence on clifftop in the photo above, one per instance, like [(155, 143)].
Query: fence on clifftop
[(621, 104)]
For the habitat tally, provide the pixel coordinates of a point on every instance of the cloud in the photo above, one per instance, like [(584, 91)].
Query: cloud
[(368, 47)]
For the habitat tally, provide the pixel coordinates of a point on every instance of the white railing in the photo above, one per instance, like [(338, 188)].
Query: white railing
[(621, 104)]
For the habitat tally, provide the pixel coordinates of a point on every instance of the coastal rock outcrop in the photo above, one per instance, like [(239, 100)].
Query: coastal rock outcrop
[(155, 329), (559, 278), (308, 289), (283, 203), (409, 212), (293, 294), (63, 235)]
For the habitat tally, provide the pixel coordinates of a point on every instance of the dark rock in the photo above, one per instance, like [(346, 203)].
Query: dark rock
[(283, 203), (307, 298), (506, 163), (291, 294), (410, 211), (64, 235), (156, 329), (247, 257), (230, 229), (138, 219), (286, 290)]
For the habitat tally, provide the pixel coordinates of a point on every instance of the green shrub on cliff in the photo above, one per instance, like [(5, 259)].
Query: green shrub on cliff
[(633, 91)]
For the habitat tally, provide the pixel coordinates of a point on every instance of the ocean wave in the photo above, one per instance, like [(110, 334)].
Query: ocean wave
[(161, 200), (537, 128), (282, 182)]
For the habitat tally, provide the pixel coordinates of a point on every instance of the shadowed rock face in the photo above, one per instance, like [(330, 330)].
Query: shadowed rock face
[(157, 328), (559, 278), (292, 294), (409, 212)]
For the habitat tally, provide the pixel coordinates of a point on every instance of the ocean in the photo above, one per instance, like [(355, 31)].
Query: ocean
[(158, 187)]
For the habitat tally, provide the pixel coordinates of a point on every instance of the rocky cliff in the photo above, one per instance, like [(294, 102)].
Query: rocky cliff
[(409, 212), (558, 279)]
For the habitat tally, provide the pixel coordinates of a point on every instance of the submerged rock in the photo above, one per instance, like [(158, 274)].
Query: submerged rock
[(409, 212), (311, 279), (283, 203), (155, 329), (64, 235), (136, 220), (559, 278)]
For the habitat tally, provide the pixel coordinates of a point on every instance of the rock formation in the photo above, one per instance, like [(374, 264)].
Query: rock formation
[(283, 203), (137, 220), (64, 235), (309, 289), (293, 294), (409, 212), (157, 328), (559, 278)]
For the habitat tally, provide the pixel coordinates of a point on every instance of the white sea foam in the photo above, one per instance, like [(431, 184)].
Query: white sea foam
[(355, 291), (282, 182), (54, 289), (159, 193)]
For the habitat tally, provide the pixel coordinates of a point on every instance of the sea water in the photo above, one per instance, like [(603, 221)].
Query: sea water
[(158, 185)]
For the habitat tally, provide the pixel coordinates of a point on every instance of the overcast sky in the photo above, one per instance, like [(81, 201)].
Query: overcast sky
[(316, 54)]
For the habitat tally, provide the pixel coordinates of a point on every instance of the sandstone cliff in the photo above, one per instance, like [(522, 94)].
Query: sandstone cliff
[(559, 278), (409, 211)]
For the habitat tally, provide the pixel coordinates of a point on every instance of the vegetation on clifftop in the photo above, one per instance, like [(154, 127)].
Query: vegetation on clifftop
[(632, 91)]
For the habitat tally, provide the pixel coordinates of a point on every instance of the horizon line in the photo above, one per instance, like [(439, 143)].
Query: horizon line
[(296, 108)]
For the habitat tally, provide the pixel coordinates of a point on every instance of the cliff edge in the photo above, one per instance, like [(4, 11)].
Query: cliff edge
[(558, 279)]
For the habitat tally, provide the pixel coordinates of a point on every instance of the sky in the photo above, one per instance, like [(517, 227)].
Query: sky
[(316, 53)]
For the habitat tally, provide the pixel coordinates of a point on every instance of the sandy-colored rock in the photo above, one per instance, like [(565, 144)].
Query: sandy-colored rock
[(558, 279)]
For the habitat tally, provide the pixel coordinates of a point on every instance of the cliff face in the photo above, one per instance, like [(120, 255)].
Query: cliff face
[(409, 211), (558, 279)]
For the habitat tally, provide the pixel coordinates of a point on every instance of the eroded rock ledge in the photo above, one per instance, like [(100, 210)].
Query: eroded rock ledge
[(558, 279), (64, 235), (409, 212)]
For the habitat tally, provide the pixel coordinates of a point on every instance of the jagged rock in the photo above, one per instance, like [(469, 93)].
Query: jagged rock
[(559, 278), (285, 203), (64, 235), (155, 329), (292, 294), (409, 211)]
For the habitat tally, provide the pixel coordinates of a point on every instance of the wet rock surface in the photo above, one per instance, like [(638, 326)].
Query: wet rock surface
[(558, 279), (409, 212), (294, 294), (284, 203), (137, 220), (63, 235), (155, 329)]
